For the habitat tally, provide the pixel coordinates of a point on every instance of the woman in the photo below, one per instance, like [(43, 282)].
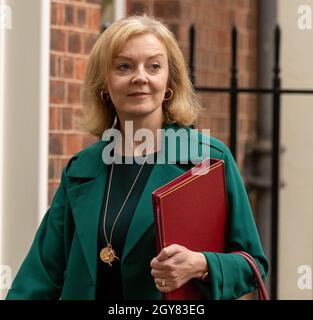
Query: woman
[(97, 240)]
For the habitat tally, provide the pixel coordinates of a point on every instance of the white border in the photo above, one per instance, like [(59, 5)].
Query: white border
[(44, 109), (2, 90), (119, 9)]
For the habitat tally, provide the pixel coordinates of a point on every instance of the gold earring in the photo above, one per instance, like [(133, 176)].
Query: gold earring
[(171, 94), (107, 97)]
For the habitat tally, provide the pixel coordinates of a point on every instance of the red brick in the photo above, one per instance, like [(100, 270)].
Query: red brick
[(74, 42), (54, 118), (67, 118), (73, 143), (167, 9), (81, 17), (59, 162), (80, 68), (69, 15), (61, 14), (138, 7), (94, 19), (57, 91), (52, 169), (89, 41), (55, 65), (68, 67), (58, 40), (54, 13), (56, 144), (74, 93)]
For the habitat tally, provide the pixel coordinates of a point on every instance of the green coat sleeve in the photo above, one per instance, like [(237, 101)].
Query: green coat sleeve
[(42, 272), (230, 275)]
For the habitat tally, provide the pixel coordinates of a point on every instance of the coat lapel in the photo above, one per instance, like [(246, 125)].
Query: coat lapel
[(88, 173), (86, 202), (143, 215)]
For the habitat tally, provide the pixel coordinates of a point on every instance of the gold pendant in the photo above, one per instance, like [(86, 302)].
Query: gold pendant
[(107, 255)]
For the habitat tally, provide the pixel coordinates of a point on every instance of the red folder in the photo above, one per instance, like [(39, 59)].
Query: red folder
[(191, 211)]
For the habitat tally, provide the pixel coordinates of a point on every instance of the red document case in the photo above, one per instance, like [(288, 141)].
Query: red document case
[(191, 211)]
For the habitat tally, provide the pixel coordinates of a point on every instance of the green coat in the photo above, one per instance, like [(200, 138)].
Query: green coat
[(62, 261)]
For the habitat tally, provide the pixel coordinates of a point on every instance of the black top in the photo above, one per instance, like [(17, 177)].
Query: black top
[(109, 283)]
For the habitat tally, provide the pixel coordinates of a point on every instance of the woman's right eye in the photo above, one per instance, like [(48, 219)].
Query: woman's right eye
[(123, 67)]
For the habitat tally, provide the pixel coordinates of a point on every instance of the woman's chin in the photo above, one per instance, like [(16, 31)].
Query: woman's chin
[(139, 110)]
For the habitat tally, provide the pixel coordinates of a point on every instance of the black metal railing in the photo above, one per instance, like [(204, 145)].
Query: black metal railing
[(276, 91)]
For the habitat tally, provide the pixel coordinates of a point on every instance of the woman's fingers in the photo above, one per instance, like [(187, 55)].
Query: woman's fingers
[(169, 251), (170, 268)]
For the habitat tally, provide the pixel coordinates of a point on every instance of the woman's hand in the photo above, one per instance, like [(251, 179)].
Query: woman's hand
[(175, 265)]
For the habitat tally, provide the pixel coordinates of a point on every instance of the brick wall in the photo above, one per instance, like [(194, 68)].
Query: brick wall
[(74, 29), (213, 21)]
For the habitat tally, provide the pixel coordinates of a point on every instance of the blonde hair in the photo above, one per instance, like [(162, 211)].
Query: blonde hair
[(98, 115)]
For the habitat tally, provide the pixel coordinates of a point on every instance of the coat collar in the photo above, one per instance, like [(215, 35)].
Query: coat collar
[(86, 196)]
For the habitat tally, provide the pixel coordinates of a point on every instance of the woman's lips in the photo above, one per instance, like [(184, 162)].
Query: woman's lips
[(139, 95)]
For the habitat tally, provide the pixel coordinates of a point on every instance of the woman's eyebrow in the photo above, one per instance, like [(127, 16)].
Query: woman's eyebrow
[(129, 58)]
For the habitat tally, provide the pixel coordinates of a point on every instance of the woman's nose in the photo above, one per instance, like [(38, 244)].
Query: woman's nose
[(140, 76)]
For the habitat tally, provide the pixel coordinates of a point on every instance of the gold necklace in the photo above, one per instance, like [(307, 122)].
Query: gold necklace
[(107, 254)]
